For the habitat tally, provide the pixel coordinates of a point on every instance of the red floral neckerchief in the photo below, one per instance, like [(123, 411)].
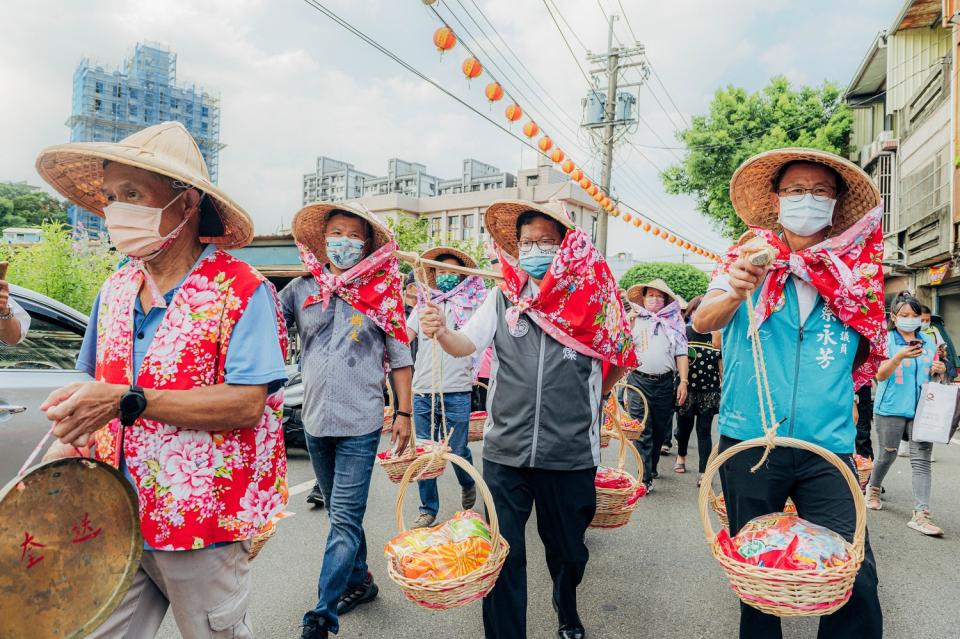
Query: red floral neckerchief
[(194, 488), (845, 270), (578, 303), (463, 298), (374, 287)]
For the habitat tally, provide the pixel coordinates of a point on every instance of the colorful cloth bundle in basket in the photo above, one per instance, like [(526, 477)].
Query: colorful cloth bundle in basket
[(787, 542), (451, 550), (864, 468)]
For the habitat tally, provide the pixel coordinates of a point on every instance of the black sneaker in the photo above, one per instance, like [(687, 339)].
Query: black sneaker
[(571, 632), (468, 496), (313, 630), (316, 497), (359, 595)]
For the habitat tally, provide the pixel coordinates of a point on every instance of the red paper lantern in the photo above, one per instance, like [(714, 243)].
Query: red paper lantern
[(598, 197), (514, 112), (627, 217), (577, 175), (585, 183), (592, 189), (444, 39), (545, 143), (557, 156), (530, 129), (472, 68), (567, 166), (656, 232), (637, 222), (494, 91), (646, 226)]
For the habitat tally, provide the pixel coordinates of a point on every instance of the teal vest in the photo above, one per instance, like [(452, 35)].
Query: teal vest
[(899, 394), (810, 370)]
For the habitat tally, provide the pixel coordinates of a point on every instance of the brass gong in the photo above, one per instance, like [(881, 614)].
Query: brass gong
[(70, 546)]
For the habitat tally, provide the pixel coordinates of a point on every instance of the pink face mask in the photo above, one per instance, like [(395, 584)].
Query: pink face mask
[(653, 304), (135, 229)]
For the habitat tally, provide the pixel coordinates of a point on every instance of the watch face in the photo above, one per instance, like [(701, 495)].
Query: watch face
[(132, 404)]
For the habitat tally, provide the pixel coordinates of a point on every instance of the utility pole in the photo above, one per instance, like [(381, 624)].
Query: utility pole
[(615, 60)]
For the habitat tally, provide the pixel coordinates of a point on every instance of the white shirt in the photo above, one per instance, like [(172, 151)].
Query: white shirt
[(21, 316), (807, 294), (656, 353), (455, 374), (482, 327)]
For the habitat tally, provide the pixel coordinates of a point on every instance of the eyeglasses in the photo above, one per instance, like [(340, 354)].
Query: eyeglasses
[(543, 245), (820, 193)]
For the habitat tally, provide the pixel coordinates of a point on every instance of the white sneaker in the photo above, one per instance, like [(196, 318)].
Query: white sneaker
[(904, 450), (873, 498), (921, 523)]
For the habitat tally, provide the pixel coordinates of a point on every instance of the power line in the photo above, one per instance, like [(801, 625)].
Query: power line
[(567, 42), (569, 28), (515, 56), (503, 75), (669, 97), (318, 6), (626, 19)]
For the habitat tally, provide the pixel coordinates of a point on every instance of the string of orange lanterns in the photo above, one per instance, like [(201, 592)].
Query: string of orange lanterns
[(445, 39)]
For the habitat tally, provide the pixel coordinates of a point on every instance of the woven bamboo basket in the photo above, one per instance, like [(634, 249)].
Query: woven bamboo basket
[(388, 409), (632, 428), (612, 508), (395, 467), (260, 540), (478, 419), (788, 593), (451, 593)]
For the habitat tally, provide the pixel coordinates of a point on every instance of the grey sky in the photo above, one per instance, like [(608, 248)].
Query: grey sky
[(294, 85)]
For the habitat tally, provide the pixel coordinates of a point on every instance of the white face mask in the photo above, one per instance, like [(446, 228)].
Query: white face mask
[(135, 229), (806, 216)]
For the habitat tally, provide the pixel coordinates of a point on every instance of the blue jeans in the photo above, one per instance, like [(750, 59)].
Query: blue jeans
[(343, 466), (457, 406)]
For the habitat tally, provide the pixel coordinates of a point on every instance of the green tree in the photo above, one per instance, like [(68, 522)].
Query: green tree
[(686, 281), (413, 235), (60, 266), (741, 124), (25, 205)]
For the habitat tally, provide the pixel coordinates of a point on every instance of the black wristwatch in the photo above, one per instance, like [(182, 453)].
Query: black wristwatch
[(402, 413), (132, 405)]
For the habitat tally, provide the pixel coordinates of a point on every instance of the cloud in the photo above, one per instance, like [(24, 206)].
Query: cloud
[(294, 85)]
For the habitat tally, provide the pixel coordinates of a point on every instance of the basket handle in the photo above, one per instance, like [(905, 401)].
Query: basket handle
[(470, 470), (626, 408), (624, 445), (481, 385), (859, 505)]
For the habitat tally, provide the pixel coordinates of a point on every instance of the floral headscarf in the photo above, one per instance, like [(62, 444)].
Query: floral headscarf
[(464, 297), (374, 287), (845, 270), (669, 318), (578, 303)]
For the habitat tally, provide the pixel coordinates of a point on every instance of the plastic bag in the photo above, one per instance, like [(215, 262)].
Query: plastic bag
[(448, 551), (781, 540), (421, 449)]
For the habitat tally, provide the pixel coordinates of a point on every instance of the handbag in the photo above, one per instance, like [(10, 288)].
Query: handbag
[(938, 413)]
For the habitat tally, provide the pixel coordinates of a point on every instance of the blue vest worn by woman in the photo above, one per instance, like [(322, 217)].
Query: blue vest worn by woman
[(810, 370), (897, 396)]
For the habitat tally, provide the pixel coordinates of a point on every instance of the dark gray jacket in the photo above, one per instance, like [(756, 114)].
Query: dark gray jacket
[(544, 400)]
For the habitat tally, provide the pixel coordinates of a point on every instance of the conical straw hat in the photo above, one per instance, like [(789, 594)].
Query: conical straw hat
[(75, 170), (309, 226)]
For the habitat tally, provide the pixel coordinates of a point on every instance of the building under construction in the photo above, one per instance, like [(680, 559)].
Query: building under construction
[(111, 103)]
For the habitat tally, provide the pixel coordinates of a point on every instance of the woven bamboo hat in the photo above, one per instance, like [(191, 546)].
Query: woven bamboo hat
[(75, 170), (635, 293), (310, 225), (752, 183), (437, 251), (501, 221)]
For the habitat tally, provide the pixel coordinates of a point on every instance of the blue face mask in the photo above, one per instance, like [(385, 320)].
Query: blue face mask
[(807, 216), (536, 261), (908, 324), (344, 252), (446, 282)]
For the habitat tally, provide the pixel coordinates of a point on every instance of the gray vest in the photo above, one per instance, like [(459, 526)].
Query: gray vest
[(544, 400)]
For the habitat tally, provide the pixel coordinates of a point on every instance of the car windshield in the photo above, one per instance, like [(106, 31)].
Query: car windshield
[(48, 346)]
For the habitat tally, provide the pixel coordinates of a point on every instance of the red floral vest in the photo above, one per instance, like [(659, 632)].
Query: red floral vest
[(195, 488)]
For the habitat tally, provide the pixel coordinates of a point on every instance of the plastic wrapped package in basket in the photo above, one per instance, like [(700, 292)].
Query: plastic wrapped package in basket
[(452, 564), (396, 465), (618, 492)]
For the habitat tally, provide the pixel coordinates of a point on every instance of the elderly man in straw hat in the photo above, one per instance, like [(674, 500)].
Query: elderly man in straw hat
[(560, 342), (187, 348), (819, 306), (660, 335), (349, 314), (443, 384)]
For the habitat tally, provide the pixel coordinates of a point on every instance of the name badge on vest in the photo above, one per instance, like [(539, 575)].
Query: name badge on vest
[(522, 327)]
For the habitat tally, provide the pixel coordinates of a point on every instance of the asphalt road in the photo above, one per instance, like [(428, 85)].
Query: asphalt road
[(653, 578)]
